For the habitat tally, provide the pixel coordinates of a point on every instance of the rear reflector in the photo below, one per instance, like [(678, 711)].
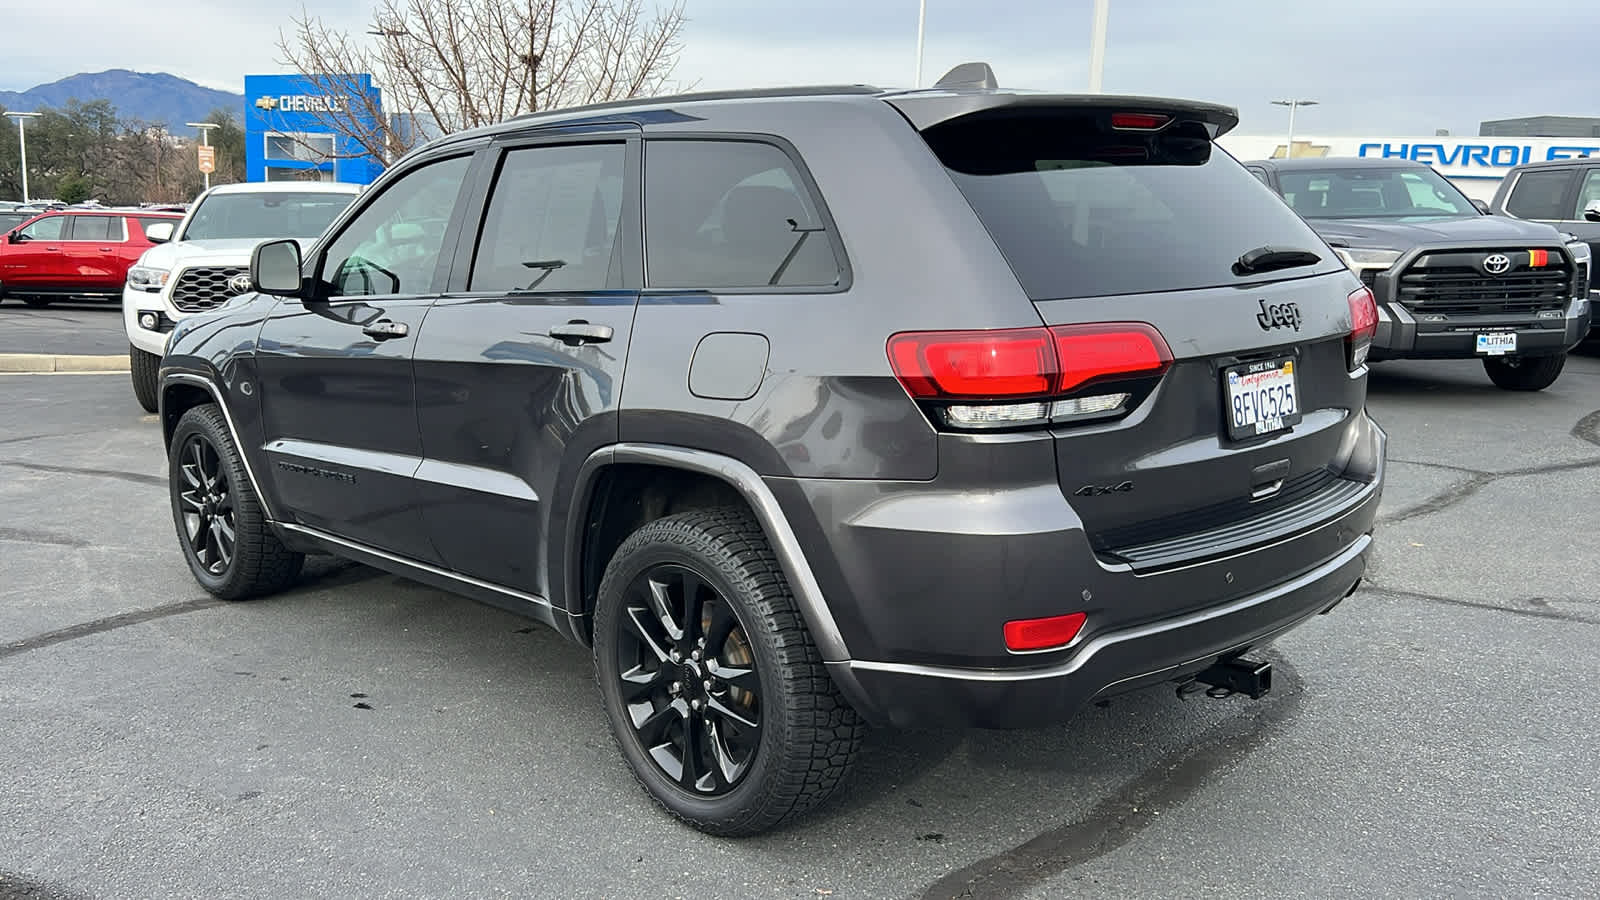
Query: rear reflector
[(1043, 634), (1363, 325), (1138, 121)]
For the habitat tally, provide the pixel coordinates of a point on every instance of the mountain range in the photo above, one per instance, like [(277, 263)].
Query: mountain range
[(151, 97)]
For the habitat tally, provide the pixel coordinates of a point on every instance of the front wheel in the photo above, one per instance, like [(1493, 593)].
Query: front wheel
[(715, 691), (145, 367), (1524, 373), (230, 548)]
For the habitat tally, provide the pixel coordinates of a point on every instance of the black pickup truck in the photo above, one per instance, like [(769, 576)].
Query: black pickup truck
[(1451, 281)]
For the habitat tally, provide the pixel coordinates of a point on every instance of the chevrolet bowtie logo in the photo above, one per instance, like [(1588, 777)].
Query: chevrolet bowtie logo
[(267, 103)]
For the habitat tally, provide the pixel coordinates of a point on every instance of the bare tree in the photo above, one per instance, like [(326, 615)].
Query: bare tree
[(449, 65)]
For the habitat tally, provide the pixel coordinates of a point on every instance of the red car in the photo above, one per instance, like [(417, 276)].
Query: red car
[(75, 253)]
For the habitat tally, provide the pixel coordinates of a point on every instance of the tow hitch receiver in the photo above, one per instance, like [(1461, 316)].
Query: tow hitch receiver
[(1237, 676)]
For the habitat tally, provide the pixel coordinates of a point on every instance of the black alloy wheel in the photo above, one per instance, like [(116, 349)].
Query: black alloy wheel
[(228, 542), (713, 686), (688, 680), (206, 505)]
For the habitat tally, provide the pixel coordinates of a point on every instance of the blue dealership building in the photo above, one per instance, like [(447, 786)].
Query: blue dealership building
[(287, 133)]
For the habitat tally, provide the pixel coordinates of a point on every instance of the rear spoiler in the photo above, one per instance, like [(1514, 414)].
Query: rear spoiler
[(925, 109)]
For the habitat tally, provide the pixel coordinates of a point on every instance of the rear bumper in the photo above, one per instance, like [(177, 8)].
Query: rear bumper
[(1108, 664), (928, 591), (1401, 336)]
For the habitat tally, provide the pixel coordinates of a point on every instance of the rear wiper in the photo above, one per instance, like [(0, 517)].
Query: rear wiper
[(1268, 259)]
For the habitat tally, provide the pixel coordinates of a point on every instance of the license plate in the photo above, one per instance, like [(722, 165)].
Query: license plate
[(1497, 343), (1262, 397)]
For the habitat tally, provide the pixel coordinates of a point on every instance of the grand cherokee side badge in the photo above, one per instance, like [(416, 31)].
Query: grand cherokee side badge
[(1279, 315)]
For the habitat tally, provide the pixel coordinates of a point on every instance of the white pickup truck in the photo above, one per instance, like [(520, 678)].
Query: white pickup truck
[(205, 261)]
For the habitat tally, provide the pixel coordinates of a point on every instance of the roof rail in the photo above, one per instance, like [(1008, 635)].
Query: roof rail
[(969, 76)]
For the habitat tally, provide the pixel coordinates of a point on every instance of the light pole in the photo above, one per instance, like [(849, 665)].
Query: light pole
[(1097, 45), (22, 138), (1288, 152), (922, 20), (205, 133)]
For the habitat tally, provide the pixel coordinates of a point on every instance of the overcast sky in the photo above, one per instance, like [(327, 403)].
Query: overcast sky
[(1400, 67)]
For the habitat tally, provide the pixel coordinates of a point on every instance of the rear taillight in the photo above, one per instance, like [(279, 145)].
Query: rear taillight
[(1030, 376), (1363, 325)]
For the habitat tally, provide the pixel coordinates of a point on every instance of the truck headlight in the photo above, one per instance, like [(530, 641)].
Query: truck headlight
[(1582, 266), (148, 278), (1357, 260)]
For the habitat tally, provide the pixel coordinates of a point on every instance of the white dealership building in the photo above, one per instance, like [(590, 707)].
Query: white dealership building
[(1475, 164)]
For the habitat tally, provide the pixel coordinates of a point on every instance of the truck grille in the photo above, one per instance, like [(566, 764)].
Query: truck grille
[(204, 287), (1453, 284)]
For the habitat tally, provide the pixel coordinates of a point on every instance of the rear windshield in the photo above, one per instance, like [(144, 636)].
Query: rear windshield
[(1080, 210), (1373, 193)]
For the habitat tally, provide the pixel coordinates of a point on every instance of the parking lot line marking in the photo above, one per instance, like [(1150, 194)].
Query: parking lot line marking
[(109, 623), (135, 477)]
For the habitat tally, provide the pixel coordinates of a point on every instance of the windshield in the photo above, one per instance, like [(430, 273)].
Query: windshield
[(1373, 193), (264, 215), (1083, 211)]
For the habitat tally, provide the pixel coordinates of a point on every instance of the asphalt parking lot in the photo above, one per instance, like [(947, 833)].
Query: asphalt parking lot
[(365, 736)]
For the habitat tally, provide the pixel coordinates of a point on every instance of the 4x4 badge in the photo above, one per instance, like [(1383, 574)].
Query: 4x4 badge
[(1279, 315), (1496, 263), (1100, 490)]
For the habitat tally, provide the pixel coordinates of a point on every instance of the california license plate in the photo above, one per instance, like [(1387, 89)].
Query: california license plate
[(1497, 343), (1262, 397)]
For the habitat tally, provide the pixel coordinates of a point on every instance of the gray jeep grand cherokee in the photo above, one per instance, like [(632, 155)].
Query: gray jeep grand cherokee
[(807, 409)]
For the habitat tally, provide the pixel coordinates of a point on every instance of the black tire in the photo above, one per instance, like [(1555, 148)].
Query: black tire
[(36, 302), (207, 482), (806, 735), (1524, 373), (144, 368)]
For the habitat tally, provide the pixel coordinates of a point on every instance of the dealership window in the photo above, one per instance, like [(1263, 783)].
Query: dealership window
[(299, 146), (284, 173)]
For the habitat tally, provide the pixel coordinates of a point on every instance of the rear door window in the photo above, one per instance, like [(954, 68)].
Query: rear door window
[(1081, 211), (1588, 195), (1539, 195), (730, 214), (552, 220), (93, 228)]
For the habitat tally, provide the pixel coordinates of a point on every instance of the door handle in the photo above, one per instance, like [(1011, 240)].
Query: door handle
[(383, 330), (108, 249), (52, 249), (580, 332)]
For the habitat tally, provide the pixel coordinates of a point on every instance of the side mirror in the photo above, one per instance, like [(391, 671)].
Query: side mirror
[(1482, 207), (159, 233), (16, 237), (275, 269), (1592, 214)]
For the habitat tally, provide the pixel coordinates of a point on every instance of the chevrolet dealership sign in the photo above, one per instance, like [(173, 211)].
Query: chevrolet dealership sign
[(1475, 164), (303, 103)]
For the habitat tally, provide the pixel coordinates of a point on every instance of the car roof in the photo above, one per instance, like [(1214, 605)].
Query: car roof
[(1301, 163), (287, 187), (1559, 163), (952, 96)]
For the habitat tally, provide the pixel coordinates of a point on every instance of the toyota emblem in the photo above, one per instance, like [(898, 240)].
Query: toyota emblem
[(1496, 263), (240, 284)]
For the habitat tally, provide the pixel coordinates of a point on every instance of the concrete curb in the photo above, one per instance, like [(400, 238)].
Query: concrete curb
[(14, 363)]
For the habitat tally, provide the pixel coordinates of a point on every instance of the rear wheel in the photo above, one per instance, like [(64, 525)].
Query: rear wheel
[(226, 540), (36, 302), (715, 691), (1524, 373), (144, 368)]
